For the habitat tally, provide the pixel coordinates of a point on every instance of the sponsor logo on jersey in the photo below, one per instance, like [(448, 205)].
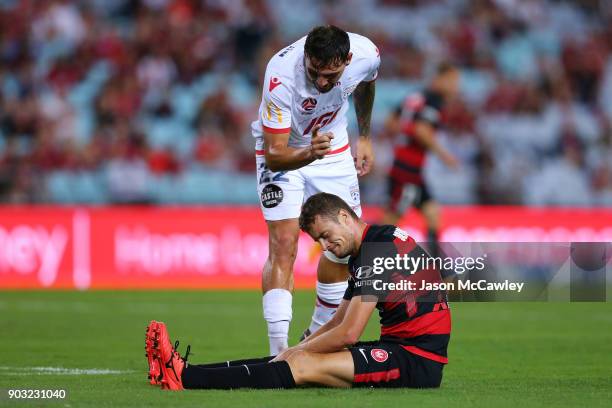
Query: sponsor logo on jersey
[(401, 234), (271, 196), (379, 355), (364, 272), (274, 82), (309, 104)]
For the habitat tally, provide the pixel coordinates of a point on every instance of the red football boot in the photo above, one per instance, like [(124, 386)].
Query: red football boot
[(154, 370), (170, 361)]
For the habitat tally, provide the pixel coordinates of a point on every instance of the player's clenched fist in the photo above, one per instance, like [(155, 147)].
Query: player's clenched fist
[(320, 143)]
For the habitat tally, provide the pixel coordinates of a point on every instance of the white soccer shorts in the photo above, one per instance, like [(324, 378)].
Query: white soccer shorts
[(281, 194)]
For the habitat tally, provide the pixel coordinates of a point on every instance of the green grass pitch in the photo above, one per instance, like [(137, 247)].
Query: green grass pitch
[(501, 354)]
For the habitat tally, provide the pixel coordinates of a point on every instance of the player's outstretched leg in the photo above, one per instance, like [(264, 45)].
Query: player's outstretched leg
[(234, 363), (301, 368), (266, 375)]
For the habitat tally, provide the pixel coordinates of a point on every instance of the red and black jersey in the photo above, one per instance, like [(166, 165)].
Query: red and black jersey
[(418, 319), (410, 153)]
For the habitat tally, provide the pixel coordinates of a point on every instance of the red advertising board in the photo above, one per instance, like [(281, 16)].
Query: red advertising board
[(220, 247)]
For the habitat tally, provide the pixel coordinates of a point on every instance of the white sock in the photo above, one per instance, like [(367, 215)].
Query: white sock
[(277, 312), (329, 296)]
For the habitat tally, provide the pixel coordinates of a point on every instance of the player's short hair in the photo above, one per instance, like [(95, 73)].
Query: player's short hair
[(328, 45), (324, 205)]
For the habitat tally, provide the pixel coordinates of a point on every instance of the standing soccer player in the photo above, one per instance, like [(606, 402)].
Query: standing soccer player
[(302, 147), (417, 119)]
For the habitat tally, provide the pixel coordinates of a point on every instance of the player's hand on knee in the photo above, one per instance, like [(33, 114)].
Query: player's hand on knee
[(320, 142)]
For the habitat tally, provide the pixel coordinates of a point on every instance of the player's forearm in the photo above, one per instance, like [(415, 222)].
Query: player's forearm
[(363, 99), (425, 135), (323, 329), (288, 158), (335, 339), (331, 323)]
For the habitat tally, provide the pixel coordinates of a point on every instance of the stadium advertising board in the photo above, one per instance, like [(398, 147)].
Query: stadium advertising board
[(220, 247)]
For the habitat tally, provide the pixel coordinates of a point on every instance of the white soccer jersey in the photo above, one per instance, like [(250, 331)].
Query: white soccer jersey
[(291, 102)]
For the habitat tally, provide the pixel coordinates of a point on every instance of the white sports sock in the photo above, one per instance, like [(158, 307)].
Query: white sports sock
[(329, 296), (277, 312)]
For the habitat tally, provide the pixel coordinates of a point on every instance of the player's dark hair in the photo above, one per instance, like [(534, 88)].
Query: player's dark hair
[(328, 45), (325, 205)]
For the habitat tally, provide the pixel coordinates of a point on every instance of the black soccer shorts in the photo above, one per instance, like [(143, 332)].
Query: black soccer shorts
[(403, 196), (380, 364)]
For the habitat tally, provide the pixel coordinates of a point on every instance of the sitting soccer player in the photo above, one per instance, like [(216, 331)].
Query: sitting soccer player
[(415, 322)]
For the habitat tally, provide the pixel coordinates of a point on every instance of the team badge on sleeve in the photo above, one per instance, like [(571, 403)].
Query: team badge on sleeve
[(379, 355), (400, 234)]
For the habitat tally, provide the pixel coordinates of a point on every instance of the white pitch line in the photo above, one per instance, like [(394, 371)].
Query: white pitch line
[(63, 371)]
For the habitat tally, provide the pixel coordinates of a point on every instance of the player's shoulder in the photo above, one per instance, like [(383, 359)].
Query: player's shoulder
[(363, 47), (385, 233), (420, 100), (283, 63)]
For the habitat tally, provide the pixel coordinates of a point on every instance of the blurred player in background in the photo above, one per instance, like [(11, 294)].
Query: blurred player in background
[(302, 147), (417, 120)]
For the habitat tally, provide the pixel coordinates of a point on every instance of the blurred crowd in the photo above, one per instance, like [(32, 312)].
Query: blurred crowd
[(150, 101)]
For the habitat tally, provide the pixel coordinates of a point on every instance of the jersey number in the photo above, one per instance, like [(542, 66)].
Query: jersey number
[(322, 120)]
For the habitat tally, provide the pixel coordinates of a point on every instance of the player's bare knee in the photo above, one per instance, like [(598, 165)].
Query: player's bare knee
[(283, 244), (302, 364), (283, 249)]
